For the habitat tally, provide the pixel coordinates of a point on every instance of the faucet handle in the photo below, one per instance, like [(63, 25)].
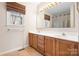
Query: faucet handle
[(63, 34)]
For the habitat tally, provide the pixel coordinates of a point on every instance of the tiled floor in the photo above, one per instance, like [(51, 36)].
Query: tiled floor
[(26, 52)]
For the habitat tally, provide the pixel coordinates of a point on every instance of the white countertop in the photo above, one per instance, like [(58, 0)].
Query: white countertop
[(60, 36)]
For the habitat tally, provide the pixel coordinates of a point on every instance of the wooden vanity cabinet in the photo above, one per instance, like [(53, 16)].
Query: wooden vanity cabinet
[(49, 46)]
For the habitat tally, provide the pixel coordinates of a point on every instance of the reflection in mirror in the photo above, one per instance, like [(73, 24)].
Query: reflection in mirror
[(56, 16)]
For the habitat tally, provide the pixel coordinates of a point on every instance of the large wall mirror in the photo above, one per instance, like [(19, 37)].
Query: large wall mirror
[(56, 15)]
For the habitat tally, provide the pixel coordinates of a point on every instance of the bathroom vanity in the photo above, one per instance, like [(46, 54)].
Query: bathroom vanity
[(53, 46), (56, 26)]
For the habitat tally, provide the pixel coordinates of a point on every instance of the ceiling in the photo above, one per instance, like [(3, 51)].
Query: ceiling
[(61, 8)]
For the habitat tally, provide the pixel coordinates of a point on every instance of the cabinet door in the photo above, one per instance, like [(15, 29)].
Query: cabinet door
[(30, 39), (41, 43), (66, 48), (34, 41), (49, 46)]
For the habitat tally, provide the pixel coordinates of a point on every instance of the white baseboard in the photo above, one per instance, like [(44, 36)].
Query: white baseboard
[(8, 51)]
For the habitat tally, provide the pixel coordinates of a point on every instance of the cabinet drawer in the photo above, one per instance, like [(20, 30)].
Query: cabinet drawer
[(40, 45), (41, 38), (40, 42), (41, 48)]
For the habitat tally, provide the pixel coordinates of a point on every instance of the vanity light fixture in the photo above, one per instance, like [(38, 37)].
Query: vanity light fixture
[(50, 5)]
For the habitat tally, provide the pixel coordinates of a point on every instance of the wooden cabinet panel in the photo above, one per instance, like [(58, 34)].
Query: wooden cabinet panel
[(78, 49), (41, 43), (33, 40), (67, 48), (57, 47), (49, 46), (30, 39)]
